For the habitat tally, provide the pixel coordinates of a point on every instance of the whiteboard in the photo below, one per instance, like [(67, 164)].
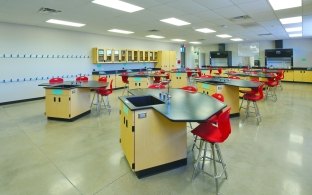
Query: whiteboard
[(248, 49)]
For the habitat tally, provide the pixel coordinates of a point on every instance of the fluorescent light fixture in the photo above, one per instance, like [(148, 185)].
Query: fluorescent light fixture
[(294, 29), (175, 21), (120, 31), (224, 36), (154, 36), (291, 20), (237, 39), (195, 42), (120, 5), (285, 4), (178, 40), (295, 35), (66, 23), (205, 30)]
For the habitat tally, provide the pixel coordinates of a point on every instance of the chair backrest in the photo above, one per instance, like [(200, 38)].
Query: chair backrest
[(56, 80), (280, 75), (103, 79), (162, 71), (218, 96), (168, 76), (199, 73), (189, 88), (156, 79), (111, 85), (260, 91), (220, 70), (188, 73), (124, 77), (224, 124), (82, 78)]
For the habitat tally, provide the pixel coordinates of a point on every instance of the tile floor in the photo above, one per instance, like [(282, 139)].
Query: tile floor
[(40, 156)]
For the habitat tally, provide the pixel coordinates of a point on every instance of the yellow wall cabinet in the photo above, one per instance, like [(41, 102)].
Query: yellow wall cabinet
[(98, 56), (166, 60), (178, 79), (67, 103), (149, 140), (230, 93), (302, 76)]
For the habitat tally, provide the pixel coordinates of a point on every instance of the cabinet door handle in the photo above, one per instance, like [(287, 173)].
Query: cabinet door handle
[(59, 99), (54, 99)]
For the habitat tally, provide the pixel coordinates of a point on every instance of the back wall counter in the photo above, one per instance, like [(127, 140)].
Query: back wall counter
[(32, 55)]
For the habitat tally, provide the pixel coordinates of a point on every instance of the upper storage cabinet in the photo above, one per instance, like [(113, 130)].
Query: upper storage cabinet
[(98, 55)]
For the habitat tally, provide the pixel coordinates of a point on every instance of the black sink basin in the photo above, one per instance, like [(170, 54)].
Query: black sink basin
[(141, 101)]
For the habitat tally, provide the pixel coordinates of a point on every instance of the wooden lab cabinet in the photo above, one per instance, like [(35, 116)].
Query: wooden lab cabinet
[(66, 103), (166, 60), (230, 93), (138, 82), (288, 75), (302, 76), (148, 139), (178, 79), (98, 56)]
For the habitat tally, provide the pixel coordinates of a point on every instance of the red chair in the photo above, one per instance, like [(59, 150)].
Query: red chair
[(189, 88), (157, 79), (82, 79), (214, 118), (254, 97), (156, 86), (253, 90), (56, 80), (213, 135), (124, 78), (280, 77), (103, 79), (162, 71), (219, 72), (271, 86), (104, 92)]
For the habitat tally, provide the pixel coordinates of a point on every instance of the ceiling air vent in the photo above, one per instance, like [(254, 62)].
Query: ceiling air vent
[(45, 10), (244, 21), (265, 34), (153, 30)]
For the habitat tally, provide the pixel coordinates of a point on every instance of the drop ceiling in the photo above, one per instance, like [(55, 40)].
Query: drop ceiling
[(263, 23)]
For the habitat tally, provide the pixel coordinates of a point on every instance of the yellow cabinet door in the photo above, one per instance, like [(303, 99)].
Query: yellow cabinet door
[(64, 106), (298, 76), (172, 60), (307, 76), (163, 60), (138, 82), (288, 75), (178, 79), (126, 121)]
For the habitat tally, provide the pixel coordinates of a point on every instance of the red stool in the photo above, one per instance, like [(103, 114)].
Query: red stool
[(124, 78), (56, 80), (101, 79), (189, 88), (253, 97), (103, 92), (280, 77), (271, 86), (219, 72), (156, 86), (82, 79), (213, 134)]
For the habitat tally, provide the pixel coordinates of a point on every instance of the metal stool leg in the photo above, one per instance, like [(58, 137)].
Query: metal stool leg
[(221, 160), (241, 105), (198, 159), (194, 144), (214, 167)]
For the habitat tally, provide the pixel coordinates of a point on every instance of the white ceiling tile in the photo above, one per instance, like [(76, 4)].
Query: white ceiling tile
[(230, 12), (214, 4), (256, 6)]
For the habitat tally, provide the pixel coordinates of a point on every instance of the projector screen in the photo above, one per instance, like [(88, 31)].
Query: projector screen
[(248, 49)]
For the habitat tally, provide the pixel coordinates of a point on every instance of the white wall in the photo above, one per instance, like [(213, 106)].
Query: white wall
[(71, 51)]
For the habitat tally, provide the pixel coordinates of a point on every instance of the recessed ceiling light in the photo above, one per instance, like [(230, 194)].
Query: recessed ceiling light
[(175, 21), (285, 4), (291, 20), (178, 40), (295, 35), (155, 36), (66, 23), (237, 39), (120, 31), (294, 29), (195, 42), (224, 36), (117, 4), (205, 30)]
